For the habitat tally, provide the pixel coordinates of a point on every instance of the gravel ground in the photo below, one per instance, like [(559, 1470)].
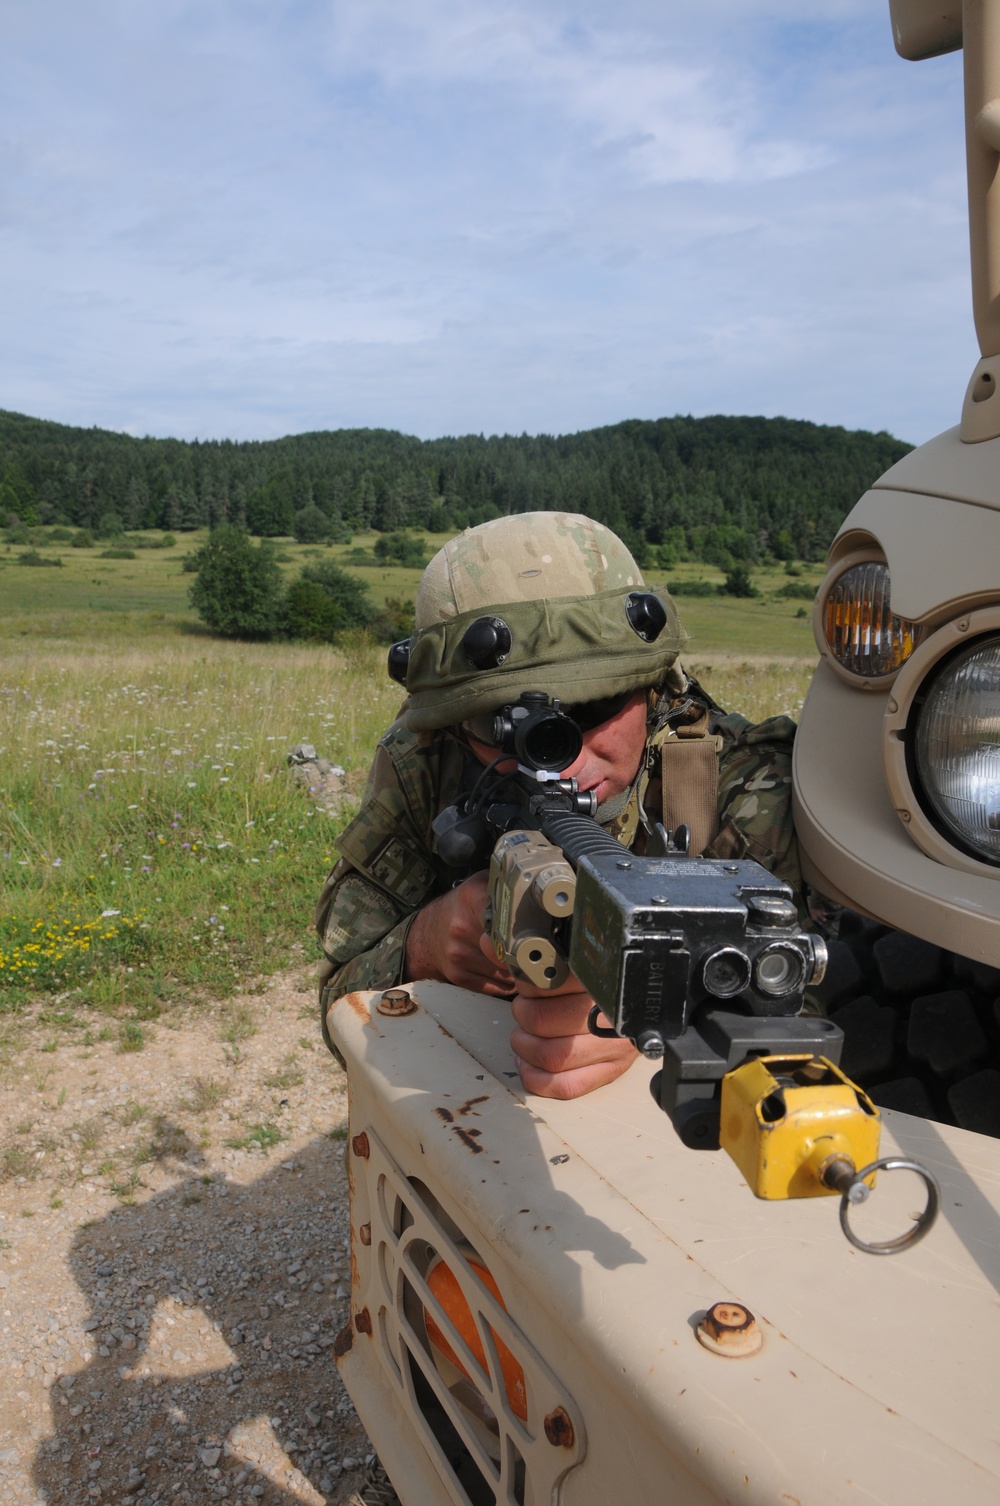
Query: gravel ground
[(174, 1261)]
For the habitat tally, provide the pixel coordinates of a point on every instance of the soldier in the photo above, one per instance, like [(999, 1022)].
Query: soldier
[(555, 602)]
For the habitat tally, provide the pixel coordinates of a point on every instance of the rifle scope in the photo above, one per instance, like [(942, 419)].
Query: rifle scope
[(534, 731)]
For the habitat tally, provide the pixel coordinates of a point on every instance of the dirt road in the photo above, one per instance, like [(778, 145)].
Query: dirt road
[(174, 1261)]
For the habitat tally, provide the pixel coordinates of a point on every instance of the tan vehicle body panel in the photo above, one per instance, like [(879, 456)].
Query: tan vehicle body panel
[(608, 1239), (935, 517)]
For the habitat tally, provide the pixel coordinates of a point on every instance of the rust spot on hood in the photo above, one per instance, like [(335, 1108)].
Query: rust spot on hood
[(470, 1139), (358, 1004), (445, 1114), (468, 1107)]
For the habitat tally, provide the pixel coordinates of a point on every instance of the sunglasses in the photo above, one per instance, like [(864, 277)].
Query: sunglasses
[(591, 714)]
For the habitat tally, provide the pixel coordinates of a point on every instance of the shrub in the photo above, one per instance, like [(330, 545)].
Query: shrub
[(692, 588), (83, 539), (143, 541), (32, 557), (797, 590), (325, 601), (310, 613), (394, 621), (401, 549), (237, 589), (738, 583), (117, 554)]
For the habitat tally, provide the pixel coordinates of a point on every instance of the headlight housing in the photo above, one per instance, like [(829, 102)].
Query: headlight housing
[(956, 747), (942, 748), (855, 626)]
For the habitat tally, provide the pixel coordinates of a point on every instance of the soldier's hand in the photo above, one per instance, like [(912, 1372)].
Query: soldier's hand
[(445, 942), (557, 1057)]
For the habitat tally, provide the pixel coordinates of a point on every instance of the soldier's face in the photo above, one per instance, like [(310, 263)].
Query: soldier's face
[(610, 756)]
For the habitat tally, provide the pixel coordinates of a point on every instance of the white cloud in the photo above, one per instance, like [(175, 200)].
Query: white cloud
[(241, 218)]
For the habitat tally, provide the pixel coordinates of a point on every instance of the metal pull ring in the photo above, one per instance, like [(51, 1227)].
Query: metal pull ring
[(858, 1191)]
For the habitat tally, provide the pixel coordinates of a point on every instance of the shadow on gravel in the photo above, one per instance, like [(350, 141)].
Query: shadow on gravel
[(213, 1307)]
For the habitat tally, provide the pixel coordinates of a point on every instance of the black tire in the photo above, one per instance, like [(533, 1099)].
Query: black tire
[(921, 1025)]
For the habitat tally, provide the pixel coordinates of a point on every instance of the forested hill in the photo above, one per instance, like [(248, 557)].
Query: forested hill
[(746, 483)]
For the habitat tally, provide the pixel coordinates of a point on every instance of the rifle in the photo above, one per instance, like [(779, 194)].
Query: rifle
[(700, 962)]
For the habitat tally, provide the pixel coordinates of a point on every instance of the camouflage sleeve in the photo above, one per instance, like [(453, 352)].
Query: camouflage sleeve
[(362, 932), (755, 796), (384, 875)]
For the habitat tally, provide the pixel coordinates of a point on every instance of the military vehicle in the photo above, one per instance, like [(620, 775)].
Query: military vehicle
[(561, 1301)]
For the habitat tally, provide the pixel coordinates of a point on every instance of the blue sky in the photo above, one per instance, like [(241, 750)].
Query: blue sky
[(247, 218)]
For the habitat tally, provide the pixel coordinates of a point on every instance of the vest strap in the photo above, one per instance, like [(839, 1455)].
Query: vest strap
[(689, 765)]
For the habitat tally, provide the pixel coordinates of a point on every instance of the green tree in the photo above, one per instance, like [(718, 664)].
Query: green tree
[(237, 588), (312, 525), (110, 526), (439, 519), (783, 545), (270, 512), (325, 601)]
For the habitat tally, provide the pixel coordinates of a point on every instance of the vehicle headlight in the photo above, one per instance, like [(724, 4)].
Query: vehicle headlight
[(856, 623), (955, 747)]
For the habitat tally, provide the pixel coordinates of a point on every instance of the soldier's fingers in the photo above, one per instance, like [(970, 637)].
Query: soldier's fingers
[(572, 1081), (490, 955), (554, 1015), (561, 1053), (479, 983), (467, 964), (571, 985), (473, 893)]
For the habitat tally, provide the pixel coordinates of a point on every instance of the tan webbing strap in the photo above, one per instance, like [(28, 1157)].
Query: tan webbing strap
[(690, 771)]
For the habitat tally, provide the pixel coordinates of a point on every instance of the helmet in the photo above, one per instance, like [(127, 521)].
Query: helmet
[(539, 601)]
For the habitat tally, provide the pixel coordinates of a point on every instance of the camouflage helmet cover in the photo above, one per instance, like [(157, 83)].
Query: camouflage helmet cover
[(561, 583)]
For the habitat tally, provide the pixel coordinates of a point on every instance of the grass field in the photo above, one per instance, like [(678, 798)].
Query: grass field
[(144, 594), (152, 844)]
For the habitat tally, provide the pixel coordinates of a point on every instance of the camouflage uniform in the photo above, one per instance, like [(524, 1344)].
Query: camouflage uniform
[(564, 589), (389, 867)]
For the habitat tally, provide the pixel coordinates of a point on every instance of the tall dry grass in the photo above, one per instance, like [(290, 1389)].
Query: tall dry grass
[(757, 685)]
